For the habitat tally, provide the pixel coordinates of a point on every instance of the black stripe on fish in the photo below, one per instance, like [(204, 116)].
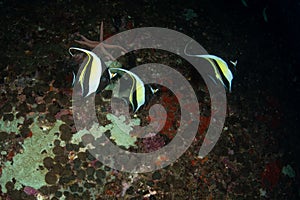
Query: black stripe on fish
[(86, 77)]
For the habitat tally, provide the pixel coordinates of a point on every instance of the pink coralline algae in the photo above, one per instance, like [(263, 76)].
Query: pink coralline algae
[(63, 112), (153, 143), (30, 190)]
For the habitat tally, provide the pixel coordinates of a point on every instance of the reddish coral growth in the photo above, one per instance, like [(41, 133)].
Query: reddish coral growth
[(29, 135), (170, 103), (109, 192), (193, 162), (10, 155), (204, 123), (270, 175)]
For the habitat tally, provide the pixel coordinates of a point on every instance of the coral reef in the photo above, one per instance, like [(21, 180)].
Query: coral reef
[(254, 156)]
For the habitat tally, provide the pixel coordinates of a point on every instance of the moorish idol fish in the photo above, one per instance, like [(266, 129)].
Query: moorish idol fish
[(89, 78), (138, 91), (216, 63)]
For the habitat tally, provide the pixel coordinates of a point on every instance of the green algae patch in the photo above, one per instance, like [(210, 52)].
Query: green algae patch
[(119, 128), (95, 130), (26, 167)]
